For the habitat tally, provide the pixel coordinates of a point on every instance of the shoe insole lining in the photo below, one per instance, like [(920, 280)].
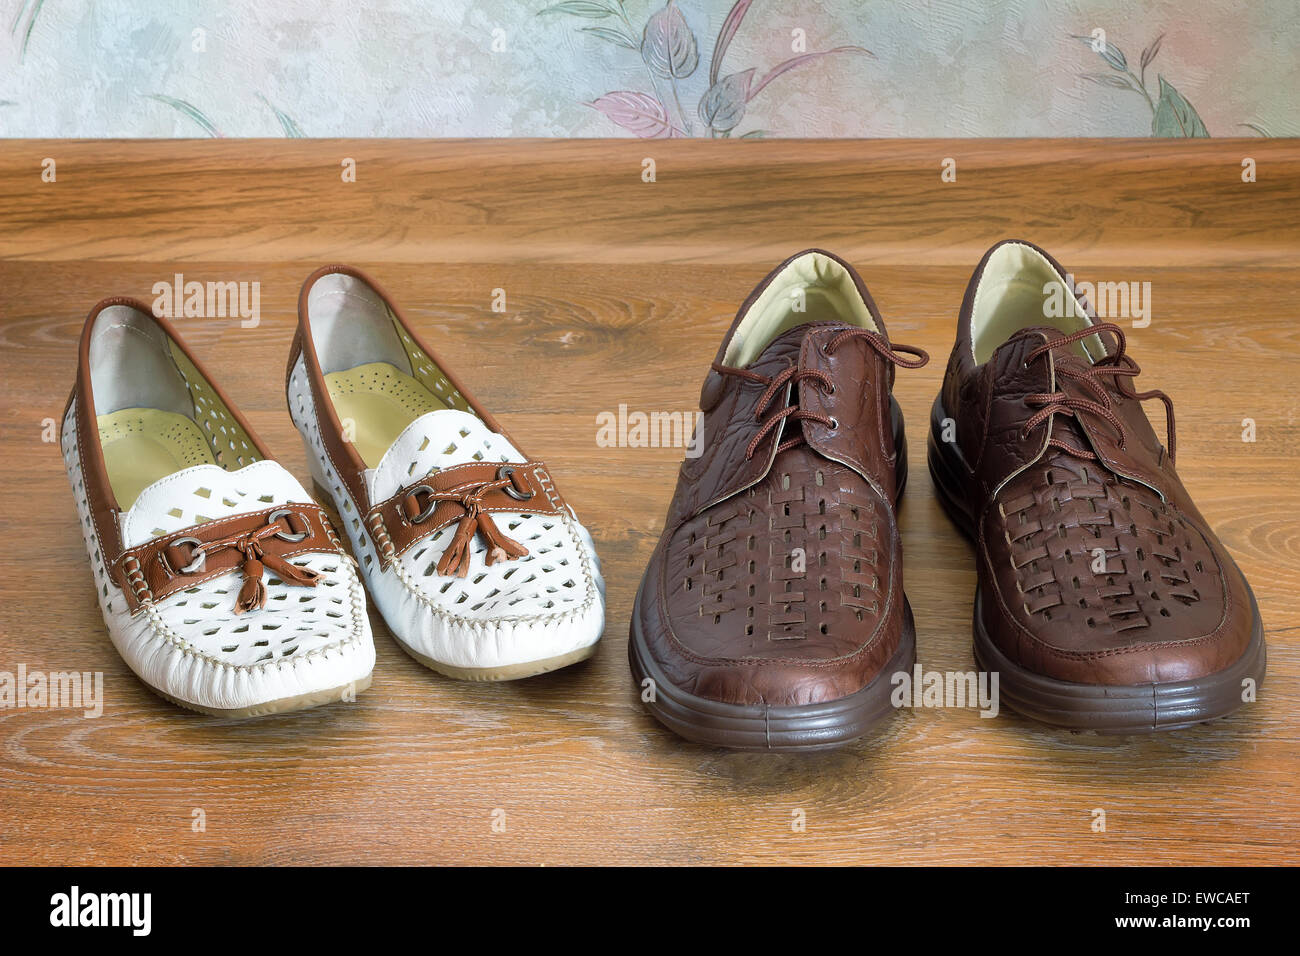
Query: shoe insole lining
[(376, 402), (143, 445)]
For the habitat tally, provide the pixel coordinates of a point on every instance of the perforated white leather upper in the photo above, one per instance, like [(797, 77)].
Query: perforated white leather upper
[(542, 605), (191, 645), (205, 492), (433, 441)]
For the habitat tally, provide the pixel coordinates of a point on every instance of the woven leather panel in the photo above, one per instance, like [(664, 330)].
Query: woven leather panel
[(800, 562), (1046, 539)]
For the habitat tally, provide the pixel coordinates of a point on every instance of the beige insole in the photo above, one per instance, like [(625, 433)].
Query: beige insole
[(142, 445), (812, 288), (375, 402), (1014, 293)]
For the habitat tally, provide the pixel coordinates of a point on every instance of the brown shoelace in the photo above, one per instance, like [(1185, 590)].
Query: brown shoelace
[(1119, 366), (797, 375), (455, 560), (252, 594)]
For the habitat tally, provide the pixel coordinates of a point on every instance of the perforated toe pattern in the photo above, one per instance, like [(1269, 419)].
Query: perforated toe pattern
[(785, 569), (191, 645), (296, 621), (548, 601), (1105, 556), (550, 579)]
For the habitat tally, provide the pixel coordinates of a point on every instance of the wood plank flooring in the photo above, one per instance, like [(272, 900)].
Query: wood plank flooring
[(617, 292)]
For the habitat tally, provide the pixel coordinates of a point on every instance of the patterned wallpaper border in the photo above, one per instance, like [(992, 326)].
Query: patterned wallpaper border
[(649, 68)]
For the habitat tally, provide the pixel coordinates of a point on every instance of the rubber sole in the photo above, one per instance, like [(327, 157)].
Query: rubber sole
[(505, 672), (284, 705), (806, 727), (1105, 708), (1128, 708)]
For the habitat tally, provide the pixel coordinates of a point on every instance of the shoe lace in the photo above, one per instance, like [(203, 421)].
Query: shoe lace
[(252, 594), (455, 559), (797, 375), (1118, 366)]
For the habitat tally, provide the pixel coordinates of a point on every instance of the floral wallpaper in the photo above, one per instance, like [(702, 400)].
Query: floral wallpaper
[(649, 68)]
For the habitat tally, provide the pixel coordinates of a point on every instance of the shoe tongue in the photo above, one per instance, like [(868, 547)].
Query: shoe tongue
[(1015, 351), (433, 441), (780, 352), (207, 492), (785, 348)]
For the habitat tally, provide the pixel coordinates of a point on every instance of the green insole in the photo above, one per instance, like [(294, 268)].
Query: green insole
[(142, 445), (379, 401)]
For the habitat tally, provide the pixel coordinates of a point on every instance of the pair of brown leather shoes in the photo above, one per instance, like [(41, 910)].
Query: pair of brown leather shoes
[(772, 614)]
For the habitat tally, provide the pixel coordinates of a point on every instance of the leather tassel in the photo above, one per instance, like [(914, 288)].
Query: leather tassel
[(252, 596), (290, 573), (500, 547), (455, 560)]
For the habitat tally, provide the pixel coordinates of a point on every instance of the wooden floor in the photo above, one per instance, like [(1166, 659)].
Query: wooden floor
[(617, 292)]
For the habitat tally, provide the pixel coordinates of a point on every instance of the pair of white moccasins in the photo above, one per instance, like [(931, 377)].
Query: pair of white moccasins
[(224, 584)]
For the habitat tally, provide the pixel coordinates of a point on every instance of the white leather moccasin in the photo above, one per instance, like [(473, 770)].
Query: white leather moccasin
[(480, 568), (222, 583)]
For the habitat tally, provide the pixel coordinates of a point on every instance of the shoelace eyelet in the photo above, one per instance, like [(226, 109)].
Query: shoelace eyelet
[(427, 511), (513, 490), (198, 557), (291, 536)]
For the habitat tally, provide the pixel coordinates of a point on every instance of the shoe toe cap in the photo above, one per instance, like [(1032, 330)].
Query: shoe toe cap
[(194, 648)]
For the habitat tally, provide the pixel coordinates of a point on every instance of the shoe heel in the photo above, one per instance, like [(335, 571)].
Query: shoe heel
[(320, 494), (900, 451), (948, 473)]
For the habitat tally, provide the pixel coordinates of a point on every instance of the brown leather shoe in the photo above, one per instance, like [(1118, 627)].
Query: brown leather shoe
[(1104, 599), (772, 614)]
